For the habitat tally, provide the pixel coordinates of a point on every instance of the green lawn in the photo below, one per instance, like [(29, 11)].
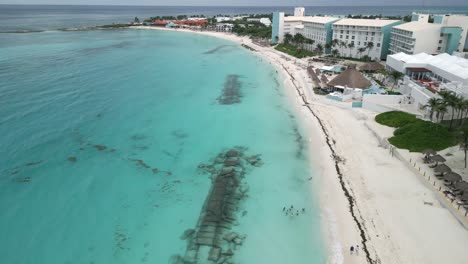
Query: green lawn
[(293, 51), (395, 119), (416, 135)]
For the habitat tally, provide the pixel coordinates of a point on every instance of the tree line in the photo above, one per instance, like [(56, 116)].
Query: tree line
[(335, 47)]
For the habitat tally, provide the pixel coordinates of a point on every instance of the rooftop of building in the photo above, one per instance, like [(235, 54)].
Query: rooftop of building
[(311, 19), (416, 26), (455, 65), (365, 22)]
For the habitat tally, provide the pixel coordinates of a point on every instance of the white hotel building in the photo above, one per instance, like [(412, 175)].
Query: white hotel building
[(447, 34), (323, 29), (316, 28), (362, 31), (427, 75)]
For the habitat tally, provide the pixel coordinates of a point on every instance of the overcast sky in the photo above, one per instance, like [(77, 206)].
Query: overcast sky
[(244, 2)]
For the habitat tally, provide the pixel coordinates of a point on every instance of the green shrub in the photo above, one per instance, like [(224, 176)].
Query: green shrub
[(419, 135), (395, 119), (294, 51), (414, 134)]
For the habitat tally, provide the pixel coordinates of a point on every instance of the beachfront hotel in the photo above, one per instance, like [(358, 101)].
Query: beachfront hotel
[(359, 32), (323, 30), (318, 29), (426, 75), (447, 34)]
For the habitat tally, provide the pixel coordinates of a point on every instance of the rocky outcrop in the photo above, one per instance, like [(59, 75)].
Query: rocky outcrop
[(213, 240)]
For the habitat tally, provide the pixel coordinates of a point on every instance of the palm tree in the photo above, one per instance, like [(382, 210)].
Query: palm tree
[(432, 105), (342, 44), (370, 45), (441, 109), (335, 52), (396, 76), (464, 111), (335, 42), (460, 108), (384, 73), (319, 49), (350, 46), (360, 51), (328, 46), (310, 42), (299, 40), (450, 99), (464, 140), (288, 38)]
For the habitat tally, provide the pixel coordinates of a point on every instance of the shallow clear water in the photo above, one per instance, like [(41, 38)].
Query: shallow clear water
[(102, 133)]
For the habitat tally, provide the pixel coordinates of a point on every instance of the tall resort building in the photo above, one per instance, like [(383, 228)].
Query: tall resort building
[(447, 34), (360, 32), (316, 28)]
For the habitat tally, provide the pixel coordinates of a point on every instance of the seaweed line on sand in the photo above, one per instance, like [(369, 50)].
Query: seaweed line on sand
[(337, 160)]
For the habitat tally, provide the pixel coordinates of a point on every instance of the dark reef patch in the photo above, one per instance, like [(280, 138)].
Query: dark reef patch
[(217, 49), (231, 93), (179, 134), (213, 240), (100, 147), (138, 137), (142, 164), (34, 163)]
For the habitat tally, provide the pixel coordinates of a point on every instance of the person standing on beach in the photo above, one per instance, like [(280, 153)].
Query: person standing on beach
[(357, 250), (351, 250)]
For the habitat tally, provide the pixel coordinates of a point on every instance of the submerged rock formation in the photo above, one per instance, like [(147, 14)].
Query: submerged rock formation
[(232, 91), (213, 241)]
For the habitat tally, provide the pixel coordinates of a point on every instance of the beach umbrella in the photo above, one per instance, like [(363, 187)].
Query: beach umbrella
[(438, 158), (452, 177), (442, 168), (429, 151), (462, 186)]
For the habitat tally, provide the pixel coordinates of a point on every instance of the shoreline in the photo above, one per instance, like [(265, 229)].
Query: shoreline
[(335, 216), (366, 197)]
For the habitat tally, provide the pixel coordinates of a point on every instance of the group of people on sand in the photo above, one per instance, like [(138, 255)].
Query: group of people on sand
[(290, 211), (354, 249)]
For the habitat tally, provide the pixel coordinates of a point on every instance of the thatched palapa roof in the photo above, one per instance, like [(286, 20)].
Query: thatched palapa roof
[(371, 67), (351, 78)]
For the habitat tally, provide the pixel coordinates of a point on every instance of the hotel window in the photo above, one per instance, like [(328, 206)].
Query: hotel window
[(440, 41), (341, 32), (347, 31), (373, 33), (352, 37), (378, 45), (439, 48), (341, 36), (359, 43), (347, 37)]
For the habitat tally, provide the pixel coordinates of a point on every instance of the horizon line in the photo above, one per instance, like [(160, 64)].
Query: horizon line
[(24, 4)]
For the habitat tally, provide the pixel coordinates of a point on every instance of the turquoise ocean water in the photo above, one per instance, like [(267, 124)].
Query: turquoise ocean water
[(101, 136)]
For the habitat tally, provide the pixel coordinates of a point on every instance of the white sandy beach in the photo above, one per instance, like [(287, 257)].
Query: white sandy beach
[(400, 217)]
